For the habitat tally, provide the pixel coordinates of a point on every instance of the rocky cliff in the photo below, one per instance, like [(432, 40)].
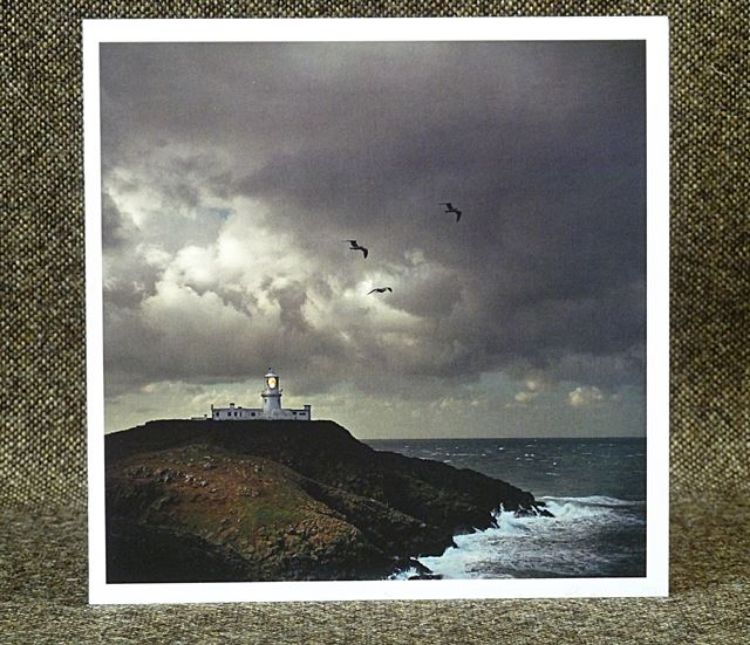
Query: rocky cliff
[(281, 500)]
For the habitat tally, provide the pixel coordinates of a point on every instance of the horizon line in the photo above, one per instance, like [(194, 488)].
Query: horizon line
[(441, 438), (621, 436)]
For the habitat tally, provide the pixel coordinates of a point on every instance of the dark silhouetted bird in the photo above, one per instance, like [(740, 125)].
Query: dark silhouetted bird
[(380, 290), (353, 246), (450, 208)]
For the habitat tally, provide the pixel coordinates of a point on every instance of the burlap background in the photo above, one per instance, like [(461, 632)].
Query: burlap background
[(42, 451)]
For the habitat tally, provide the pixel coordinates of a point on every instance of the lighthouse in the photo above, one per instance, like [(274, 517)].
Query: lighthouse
[(271, 409), (271, 395)]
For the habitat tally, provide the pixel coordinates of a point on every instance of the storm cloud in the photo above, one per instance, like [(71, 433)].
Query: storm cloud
[(233, 173)]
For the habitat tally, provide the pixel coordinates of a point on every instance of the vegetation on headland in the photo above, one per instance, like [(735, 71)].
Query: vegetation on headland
[(281, 500)]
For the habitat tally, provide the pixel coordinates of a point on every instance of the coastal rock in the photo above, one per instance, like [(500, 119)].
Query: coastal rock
[(282, 500)]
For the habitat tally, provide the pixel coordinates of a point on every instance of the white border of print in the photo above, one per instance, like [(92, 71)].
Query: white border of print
[(654, 30)]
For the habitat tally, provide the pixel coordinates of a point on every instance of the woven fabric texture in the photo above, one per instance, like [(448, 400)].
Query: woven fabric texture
[(42, 335)]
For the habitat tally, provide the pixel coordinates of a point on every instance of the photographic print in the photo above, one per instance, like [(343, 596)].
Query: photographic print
[(377, 308)]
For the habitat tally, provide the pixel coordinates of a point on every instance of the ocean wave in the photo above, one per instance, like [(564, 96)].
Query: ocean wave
[(569, 544), (593, 500), (595, 510)]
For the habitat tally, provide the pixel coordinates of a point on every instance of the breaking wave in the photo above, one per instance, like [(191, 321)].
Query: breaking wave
[(588, 537)]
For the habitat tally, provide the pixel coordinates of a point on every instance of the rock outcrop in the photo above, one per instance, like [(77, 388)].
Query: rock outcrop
[(192, 501)]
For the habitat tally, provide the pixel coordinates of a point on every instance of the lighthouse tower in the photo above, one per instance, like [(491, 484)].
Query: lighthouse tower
[(271, 395)]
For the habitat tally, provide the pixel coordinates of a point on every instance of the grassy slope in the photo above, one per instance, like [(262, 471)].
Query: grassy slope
[(280, 500)]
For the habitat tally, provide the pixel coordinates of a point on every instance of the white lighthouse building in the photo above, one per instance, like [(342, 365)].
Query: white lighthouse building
[(271, 409)]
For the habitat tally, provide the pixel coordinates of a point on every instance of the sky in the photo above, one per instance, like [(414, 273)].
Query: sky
[(233, 173)]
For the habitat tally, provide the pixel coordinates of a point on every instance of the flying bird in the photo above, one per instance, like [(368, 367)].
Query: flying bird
[(450, 208), (353, 246), (380, 290)]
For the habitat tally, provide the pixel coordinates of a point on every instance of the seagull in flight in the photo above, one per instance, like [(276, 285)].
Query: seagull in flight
[(353, 246), (450, 208), (380, 290)]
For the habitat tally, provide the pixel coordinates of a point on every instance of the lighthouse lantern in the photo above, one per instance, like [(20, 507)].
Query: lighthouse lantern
[(271, 395)]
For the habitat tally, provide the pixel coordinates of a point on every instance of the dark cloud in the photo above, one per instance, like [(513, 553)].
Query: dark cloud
[(553, 196), (112, 223), (291, 298)]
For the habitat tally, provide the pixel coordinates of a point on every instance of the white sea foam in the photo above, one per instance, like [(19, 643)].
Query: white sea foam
[(593, 535), (597, 510), (538, 546)]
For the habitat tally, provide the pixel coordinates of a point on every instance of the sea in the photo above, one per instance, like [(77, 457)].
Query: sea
[(596, 489)]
